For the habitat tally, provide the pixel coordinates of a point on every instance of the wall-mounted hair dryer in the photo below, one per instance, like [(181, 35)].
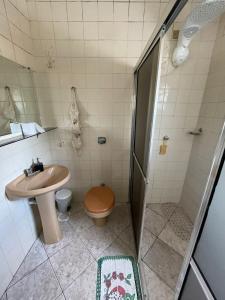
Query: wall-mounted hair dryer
[(201, 15)]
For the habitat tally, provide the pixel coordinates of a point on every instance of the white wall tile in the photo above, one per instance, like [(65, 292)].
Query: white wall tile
[(2, 8), (77, 48), (61, 30), (46, 30), (74, 10), (59, 11), (4, 26), (135, 30), (76, 30), (148, 29), (91, 30), (90, 11), (133, 48), (91, 48), (106, 30), (136, 12), (44, 11), (121, 11), (151, 13), (105, 11)]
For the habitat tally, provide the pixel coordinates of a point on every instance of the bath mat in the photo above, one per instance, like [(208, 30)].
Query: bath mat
[(118, 279)]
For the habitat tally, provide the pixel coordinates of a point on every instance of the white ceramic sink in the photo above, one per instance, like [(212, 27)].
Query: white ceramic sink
[(42, 186)]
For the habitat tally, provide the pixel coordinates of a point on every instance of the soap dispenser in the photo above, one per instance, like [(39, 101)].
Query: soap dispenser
[(33, 166), (39, 166)]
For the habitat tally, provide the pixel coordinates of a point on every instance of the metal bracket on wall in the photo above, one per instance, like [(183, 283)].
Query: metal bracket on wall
[(197, 132)]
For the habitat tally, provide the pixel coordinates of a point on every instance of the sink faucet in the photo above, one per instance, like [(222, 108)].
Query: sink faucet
[(34, 169)]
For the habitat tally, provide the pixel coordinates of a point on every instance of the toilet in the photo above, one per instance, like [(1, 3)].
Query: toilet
[(99, 203)]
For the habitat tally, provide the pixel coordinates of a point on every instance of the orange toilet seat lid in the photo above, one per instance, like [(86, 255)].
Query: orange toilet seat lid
[(99, 199)]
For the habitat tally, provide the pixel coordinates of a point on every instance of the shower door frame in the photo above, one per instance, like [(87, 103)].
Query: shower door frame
[(210, 185), (174, 8), (132, 155)]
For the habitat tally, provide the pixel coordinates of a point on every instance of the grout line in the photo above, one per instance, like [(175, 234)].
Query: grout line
[(56, 278), (20, 12), (22, 263), (9, 287), (157, 236), (128, 245), (78, 277), (172, 249), (161, 215), (161, 279)]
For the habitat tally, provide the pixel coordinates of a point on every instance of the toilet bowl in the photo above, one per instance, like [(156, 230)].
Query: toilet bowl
[(99, 203)]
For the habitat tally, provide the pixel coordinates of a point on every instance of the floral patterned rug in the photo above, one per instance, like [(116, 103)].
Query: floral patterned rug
[(118, 279)]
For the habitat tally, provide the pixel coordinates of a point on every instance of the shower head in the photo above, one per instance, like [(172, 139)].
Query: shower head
[(206, 11), (201, 15)]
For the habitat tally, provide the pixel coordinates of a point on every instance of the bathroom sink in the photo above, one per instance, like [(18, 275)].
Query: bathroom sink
[(52, 178), (42, 186)]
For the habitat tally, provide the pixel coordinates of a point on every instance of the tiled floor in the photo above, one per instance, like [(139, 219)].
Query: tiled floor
[(67, 270), (166, 234)]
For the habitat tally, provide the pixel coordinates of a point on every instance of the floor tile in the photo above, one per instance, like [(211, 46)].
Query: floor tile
[(178, 240), (61, 297), (119, 219), (147, 241), (76, 207), (180, 222), (154, 222), (163, 260), (39, 284), (163, 209), (156, 288), (80, 221), (70, 262), (97, 239), (117, 247), (34, 258), (127, 236), (3, 297), (84, 287), (68, 236)]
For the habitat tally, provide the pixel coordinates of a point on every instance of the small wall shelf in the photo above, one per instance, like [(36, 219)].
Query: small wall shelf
[(27, 137)]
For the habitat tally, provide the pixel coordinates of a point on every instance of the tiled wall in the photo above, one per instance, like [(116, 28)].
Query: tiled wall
[(15, 36), (211, 120), (93, 46), (178, 105), (17, 224)]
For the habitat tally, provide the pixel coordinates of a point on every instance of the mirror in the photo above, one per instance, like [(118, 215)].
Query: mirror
[(19, 112)]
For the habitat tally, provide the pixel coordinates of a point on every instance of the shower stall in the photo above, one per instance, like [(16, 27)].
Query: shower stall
[(177, 122)]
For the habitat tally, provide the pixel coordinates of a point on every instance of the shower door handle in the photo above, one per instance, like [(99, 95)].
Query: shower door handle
[(140, 169)]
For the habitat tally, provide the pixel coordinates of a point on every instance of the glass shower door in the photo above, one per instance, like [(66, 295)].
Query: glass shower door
[(146, 77)]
